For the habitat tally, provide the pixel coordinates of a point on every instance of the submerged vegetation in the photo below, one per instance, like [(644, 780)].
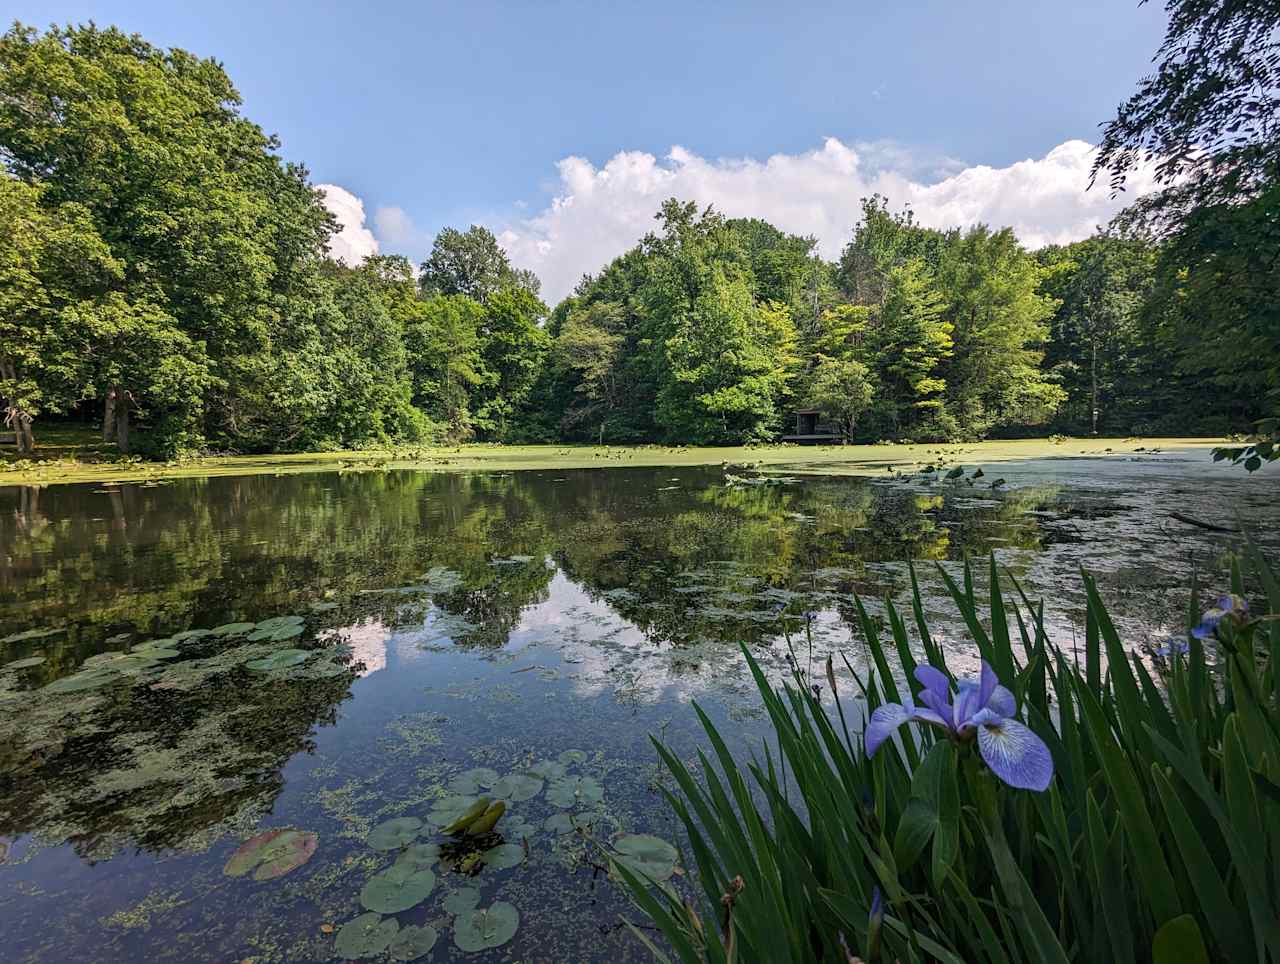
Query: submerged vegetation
[(1135, 820)]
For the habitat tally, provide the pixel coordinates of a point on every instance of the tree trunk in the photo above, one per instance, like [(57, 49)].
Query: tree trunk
[(122, 425), (1093, 383), (22, 430), (109, 416)]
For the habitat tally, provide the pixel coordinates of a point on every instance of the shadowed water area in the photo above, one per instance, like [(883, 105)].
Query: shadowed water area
[(186, 666)]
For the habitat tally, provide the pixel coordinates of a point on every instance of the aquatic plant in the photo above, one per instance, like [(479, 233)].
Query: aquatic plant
[(365, 936), (646, 854), (518, 787), (484, 928), (575, 791), (983, 709), (503, 856), (461, 900), (397, 888), (272, 854), (395, 833), (413, 942), (1152, 840), (279, 660)]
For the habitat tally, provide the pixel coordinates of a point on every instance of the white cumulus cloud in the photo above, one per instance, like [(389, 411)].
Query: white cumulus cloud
[(597, 213), (354, 242)]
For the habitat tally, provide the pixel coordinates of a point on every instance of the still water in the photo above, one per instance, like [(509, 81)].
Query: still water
[(390, 645)]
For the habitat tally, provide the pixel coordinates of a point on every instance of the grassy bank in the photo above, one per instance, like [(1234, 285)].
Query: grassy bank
[(65, 458)]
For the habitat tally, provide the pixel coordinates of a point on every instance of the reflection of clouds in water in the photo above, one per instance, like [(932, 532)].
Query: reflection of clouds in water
[(606, 653), (368, 642)]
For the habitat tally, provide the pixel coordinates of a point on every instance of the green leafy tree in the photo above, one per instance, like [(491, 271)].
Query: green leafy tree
[(588, 347), (513, 350), (471, 263), (912, 340), (841, 388), (54, 268), (998, 314)]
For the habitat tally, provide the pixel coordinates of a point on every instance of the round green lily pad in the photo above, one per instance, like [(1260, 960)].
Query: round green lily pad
[(191, 634), (461, 900), (473, 781), (647, 855), (397, 889), (558, 823), (277, 635), (30, 634), (279, 622), (413, 942), (575, 791), (155, 652), (503, 856), (515, 828), (549, 769), (517, 787), (448, 809), (570, 757), (394, 834), (485, 928), (418, 856), (323, 607), (272, 854), (84, 680), (233, 629), (281, 660), (366, 936), (26, 663)]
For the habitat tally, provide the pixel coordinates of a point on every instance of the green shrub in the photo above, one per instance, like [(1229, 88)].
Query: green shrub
[(1157, 839)]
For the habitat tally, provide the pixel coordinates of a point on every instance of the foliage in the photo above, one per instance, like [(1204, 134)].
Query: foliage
[(1154, 841), (841, 388)]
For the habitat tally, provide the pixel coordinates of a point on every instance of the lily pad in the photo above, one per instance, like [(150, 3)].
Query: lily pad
[(413, 942), (503, 856), (233, 629), (26, 663), (394, 834), (366, 936), (397, 889), (461, 900), (485, 928), (570, 757), (448, 809), (549, 769), (518, 787), (418, 856), (276, 635), (470, 782), (281, 660), (570, 792), (84, 680), (515, 828), (191, 634), (272, 854), (23, 636), (647, 855), (324, 607), (558, 823)]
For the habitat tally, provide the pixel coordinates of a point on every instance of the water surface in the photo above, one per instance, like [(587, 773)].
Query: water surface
[(463, 621)]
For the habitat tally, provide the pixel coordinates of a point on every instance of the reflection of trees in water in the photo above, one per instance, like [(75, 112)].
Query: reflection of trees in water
[(142, 767), (166, 767)]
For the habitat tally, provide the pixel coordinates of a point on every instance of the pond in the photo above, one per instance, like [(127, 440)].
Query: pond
[(356, 658)]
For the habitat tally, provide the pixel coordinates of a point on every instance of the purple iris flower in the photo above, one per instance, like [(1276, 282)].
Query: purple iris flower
[(1228, 607), (1173, 647), (983, 708)]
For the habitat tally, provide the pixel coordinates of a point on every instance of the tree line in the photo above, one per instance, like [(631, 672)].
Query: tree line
[(164, 271)]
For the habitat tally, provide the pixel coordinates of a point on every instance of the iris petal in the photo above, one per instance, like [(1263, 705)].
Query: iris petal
[(934, 680), (885, 720), (1002, 702), (988, 684), (1015, 754), (939, 705)]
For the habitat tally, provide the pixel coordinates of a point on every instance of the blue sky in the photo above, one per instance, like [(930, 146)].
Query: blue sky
[(445, 113)]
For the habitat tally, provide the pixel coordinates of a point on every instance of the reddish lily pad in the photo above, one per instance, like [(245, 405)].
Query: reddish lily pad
[(272, 854)]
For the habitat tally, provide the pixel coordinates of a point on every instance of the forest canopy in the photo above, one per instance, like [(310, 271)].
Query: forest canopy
[(164, 273)]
